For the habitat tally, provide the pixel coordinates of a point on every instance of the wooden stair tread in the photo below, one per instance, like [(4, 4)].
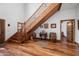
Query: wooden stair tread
[(18, 37)]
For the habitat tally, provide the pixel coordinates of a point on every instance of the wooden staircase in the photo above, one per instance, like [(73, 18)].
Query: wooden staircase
[(17, 37), (49, 10), (45, 11)]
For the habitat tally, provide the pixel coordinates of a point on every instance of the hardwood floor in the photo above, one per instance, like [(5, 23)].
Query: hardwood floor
[(40, 48)]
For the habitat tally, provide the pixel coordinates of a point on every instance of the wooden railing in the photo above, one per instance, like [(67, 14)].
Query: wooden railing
[(45, 11), (35, 15), (41, 15), (33, 20)]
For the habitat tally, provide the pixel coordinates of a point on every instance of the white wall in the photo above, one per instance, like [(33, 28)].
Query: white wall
[(30, 8), (12, 13)]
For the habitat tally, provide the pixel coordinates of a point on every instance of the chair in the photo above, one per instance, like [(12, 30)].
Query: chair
[(43, 35), (62, 34), (53, 36)]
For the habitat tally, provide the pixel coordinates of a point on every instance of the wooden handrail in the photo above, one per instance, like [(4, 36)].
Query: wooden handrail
[(34, 13), (31, 17), (29, 25), (35, 21)]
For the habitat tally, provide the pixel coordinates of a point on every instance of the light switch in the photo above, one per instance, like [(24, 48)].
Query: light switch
[(8, 25)]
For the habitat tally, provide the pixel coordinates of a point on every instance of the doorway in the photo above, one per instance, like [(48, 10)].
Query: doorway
[(2, 30), (67, 30)]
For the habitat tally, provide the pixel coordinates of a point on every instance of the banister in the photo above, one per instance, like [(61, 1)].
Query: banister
[(35, 21), (43, 4), (34, 13), (40, 9), (35, 16), (31, 16)]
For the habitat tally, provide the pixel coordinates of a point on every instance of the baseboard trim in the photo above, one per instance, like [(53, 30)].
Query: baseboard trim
[(10, 38)]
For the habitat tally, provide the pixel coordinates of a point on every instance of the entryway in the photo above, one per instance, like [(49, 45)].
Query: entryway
[(67, 30), (2, 30)]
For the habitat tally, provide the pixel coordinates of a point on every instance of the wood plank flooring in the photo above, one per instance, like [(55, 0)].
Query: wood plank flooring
[(40, 48)]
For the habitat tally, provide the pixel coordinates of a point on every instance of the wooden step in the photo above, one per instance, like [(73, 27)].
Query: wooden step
[(17, 38)]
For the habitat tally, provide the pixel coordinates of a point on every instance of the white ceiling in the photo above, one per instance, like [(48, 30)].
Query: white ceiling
[(69, 6)]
